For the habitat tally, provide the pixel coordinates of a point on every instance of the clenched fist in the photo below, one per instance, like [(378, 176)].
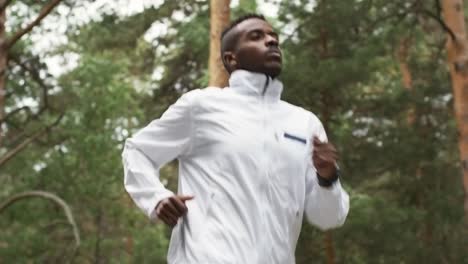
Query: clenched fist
[(324, 158), (171, 209)]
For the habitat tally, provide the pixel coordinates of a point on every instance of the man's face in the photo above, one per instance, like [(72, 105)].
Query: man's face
[(257, 48)]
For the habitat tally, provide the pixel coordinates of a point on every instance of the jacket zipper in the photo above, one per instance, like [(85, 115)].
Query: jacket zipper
[(265, 128), (264, 159)]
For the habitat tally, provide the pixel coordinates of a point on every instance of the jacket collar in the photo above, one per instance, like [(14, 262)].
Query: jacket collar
[(255, 84)]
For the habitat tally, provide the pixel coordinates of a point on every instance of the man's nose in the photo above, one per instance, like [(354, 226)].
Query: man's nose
[(271, 41)]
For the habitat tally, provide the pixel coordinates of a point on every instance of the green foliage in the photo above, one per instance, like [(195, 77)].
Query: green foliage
[(398, 171), (340, 63)]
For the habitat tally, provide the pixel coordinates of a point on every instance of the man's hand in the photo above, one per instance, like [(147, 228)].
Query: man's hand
[(170, 209), (324, 158)]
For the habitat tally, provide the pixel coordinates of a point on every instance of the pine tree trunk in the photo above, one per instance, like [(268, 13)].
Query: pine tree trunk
[(329, 248), (99, 230), (457, 52), (3, 68), (219, 20), (325, 118), (402, 56), (407, 79)]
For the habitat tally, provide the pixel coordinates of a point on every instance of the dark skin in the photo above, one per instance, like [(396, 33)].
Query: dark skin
[(252, 45), (257, 48), (169, 210)]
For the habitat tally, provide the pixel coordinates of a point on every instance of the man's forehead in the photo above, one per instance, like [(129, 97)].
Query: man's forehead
[(252, 24)]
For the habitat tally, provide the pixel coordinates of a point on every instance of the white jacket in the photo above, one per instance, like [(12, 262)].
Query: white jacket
[(246, 157)]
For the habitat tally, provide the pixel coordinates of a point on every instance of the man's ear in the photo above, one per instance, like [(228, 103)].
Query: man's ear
[(230, 59)]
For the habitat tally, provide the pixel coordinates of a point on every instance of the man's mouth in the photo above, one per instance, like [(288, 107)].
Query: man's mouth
[(276, 54)]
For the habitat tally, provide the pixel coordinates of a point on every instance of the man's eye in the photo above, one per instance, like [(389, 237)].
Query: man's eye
[(255, 35)]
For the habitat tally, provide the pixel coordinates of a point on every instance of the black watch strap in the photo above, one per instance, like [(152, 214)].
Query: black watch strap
[(328, 182)]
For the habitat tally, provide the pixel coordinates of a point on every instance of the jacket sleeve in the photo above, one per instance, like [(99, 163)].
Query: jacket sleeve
[(325, 207), (148, 150)]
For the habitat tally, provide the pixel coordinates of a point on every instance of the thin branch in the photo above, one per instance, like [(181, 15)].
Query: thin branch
[(437, 17), (8, 116), (49, 196), (14, 141), (36, 77), (441, 23), (10, 154), (438, 7), (4, 5), (30, 115), (44, 12)]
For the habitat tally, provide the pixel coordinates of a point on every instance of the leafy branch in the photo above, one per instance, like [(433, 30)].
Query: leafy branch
[(44, 12), (10, 154), (437, 17)]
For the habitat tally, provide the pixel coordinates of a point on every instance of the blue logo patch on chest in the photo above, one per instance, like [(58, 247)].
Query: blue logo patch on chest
[(295, 138)]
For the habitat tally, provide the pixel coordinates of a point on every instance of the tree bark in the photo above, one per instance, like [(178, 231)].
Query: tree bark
[(407, 79), (97, 244), (402, 56), (219, 18), (457, 54), (329, 248)]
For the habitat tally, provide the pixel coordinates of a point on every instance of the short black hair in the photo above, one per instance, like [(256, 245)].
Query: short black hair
[(240, 20), (229, 43)]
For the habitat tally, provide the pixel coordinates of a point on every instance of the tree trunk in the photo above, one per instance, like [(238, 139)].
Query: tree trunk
[(325, 118), (402, 56), (329, 248), (458, 63), (219, 20), (3, 68), (97, 245), (407, 79)]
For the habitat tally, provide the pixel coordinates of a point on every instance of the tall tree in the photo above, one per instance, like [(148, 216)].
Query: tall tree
[(219, 14), (457, 51)]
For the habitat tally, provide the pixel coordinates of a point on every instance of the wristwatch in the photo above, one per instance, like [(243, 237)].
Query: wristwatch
[(324, 182)]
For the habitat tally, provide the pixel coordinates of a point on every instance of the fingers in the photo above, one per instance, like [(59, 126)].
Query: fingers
[(168, 221), (324, 154), (166, 213), (316, 140), (322, 144), (178, 205), (171, 209), (185, 197)]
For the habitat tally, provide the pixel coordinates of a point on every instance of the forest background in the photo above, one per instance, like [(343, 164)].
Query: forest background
[(389, 80)]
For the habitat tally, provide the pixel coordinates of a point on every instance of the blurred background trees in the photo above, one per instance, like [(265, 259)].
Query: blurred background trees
[(90, 74)]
